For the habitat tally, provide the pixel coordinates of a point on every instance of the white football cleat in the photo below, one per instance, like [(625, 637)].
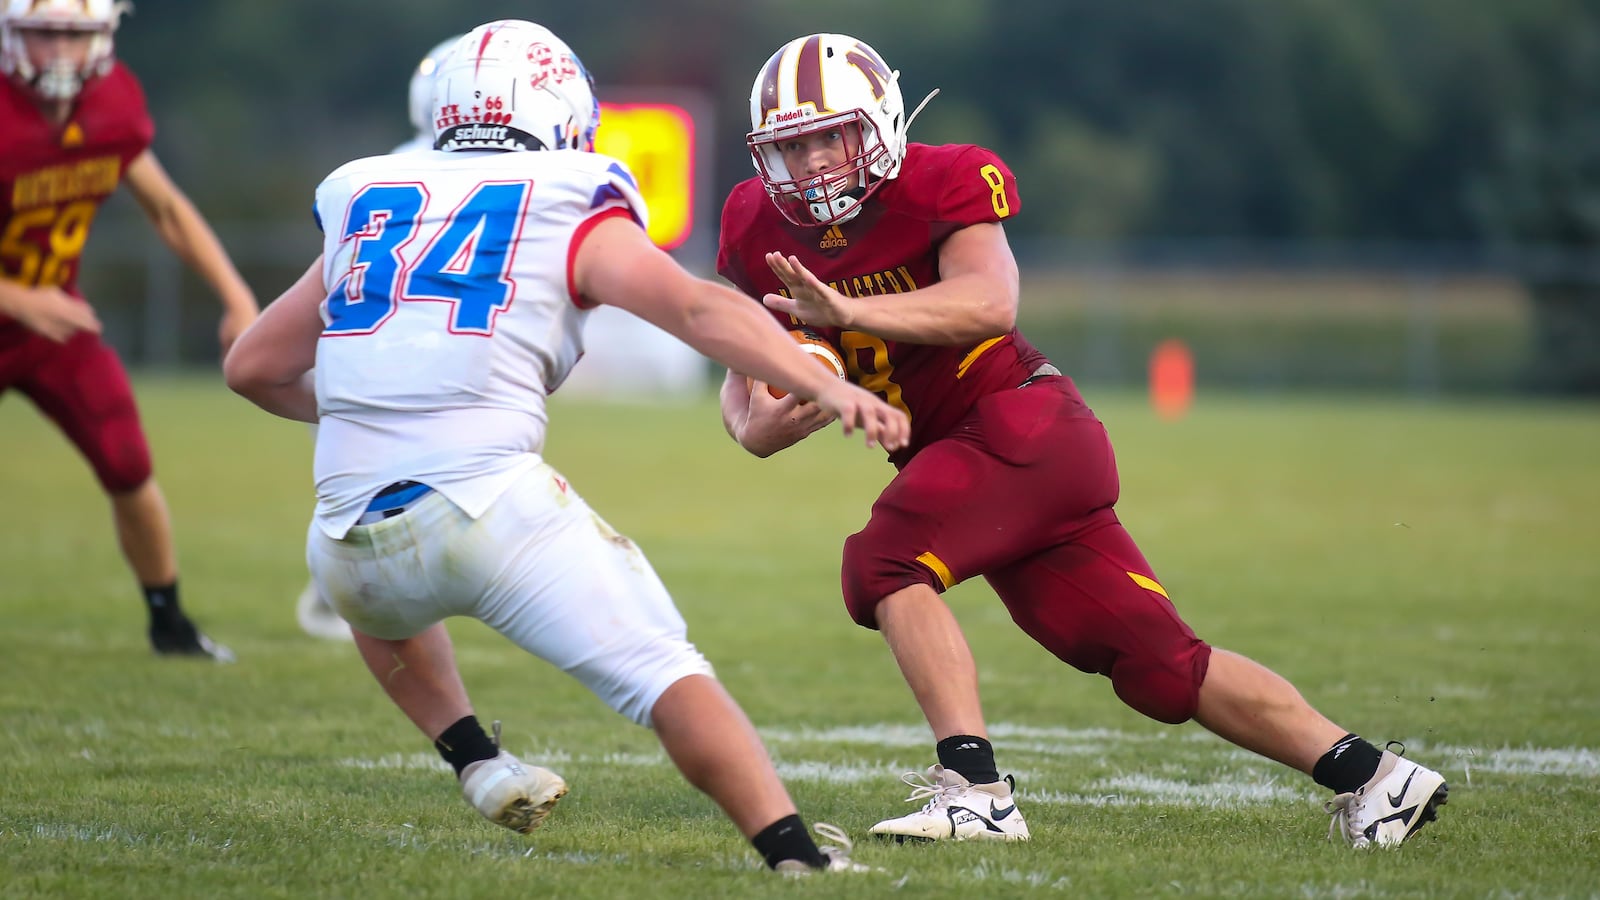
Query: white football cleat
[(837, 855), (957, 810), (510, 792), (1400, 798), (318, 618)]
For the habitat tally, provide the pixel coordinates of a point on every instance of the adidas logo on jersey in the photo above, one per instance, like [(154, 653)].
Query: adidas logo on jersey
[(832, 239)]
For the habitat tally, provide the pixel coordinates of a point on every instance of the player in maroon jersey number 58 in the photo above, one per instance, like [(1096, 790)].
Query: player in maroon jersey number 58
[(895, 252), (73, 125)]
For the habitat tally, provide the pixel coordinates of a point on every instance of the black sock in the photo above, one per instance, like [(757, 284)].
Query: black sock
[(787, 838), (465, 743), (162, 602), (969, 756), (1349, 763)]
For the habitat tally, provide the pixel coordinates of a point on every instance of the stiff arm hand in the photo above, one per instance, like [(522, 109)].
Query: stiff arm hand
[(809, 300)]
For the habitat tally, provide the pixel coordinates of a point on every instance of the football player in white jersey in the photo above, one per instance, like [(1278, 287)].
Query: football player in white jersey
[(316, 615), (448, 303)]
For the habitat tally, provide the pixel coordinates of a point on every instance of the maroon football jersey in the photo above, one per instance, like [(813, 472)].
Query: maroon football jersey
[(892, 246), (53, 179)]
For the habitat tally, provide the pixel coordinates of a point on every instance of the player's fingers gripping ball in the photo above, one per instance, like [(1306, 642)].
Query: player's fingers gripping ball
[(823, 352)]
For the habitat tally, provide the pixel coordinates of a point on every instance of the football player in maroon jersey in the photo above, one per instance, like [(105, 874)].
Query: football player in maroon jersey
[(896, 253), (73, 125)]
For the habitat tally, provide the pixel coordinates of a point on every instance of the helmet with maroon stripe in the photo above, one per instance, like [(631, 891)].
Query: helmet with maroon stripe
[(60, 79), (821, 83), (513, 85)]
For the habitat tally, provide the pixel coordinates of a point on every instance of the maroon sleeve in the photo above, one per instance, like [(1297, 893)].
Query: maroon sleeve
[(139, 111), (978, 187), (729, 263), (118, 102)]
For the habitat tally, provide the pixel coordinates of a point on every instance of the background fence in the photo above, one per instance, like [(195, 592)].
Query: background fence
[(1393, 318), (1411, 319)]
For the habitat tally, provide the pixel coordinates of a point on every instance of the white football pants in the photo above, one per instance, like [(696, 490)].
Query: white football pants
[(540, 567)]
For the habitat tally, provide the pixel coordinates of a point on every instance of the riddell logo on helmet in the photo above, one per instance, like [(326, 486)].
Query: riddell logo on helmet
[(781, 118), (832, 239)]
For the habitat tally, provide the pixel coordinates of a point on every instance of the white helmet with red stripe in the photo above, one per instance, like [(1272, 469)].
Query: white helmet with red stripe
[(513, 85), (62, 79), (818, 83)]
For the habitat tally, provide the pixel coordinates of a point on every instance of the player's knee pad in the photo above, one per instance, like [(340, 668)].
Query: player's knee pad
[(1167, 690), (868, 576)]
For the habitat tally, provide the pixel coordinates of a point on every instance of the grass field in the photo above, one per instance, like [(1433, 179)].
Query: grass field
[(1424, 573)]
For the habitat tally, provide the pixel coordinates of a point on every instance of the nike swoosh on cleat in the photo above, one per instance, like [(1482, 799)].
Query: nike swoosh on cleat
[(1401, 816), (1397, 799), (996, 813)]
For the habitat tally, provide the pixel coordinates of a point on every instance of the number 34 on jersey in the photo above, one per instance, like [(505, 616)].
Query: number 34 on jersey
[(465, 262)]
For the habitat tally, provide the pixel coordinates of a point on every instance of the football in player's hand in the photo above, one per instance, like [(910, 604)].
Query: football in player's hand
[(819, 348)]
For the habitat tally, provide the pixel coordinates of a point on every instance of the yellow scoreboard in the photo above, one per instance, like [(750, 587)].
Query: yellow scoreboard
[(657, 141)]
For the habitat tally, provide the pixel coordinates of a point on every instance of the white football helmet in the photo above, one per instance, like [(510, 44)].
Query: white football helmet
[(61, 81), (513, 85), (818, 83), (421, 93)]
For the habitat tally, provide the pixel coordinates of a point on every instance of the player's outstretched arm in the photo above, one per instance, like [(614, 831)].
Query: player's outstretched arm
[(270, 364), (184, 230), (617, 264), (974, 299)]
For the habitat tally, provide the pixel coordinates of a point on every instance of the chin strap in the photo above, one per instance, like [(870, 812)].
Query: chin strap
[(931, 94)]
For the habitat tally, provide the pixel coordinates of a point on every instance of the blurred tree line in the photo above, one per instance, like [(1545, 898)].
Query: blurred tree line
[(1460, 122)]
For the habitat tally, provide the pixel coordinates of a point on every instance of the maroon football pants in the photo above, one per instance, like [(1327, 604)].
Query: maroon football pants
[(1022, 493), (82, 387)]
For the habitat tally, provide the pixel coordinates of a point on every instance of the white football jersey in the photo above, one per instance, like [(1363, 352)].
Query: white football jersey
[(450, 316)]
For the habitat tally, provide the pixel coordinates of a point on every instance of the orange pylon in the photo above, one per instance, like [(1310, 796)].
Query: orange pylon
[(1171, 379)]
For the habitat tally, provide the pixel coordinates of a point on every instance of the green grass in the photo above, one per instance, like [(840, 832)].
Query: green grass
[(1424, 573)]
